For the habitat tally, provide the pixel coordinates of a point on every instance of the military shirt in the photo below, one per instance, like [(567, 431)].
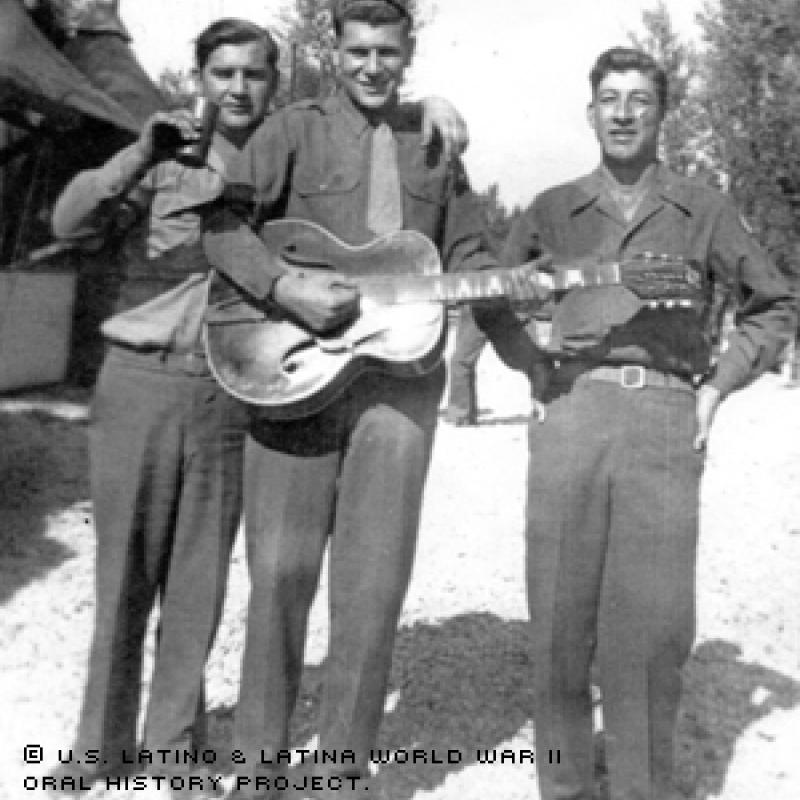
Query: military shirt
[(160, 218), (310, 161), (579, 222)]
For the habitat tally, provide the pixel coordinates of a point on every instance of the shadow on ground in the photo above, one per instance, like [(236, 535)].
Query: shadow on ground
[(723, 696), (43, 471), (462, 684)]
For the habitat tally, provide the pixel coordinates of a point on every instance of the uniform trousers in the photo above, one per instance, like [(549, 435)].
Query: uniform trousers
[(166, 461), (351, 477), (469, 343), (612, 521)]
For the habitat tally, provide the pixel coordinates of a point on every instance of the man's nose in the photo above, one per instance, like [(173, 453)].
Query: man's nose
[(623, 112), (373, 63), (237, 83)]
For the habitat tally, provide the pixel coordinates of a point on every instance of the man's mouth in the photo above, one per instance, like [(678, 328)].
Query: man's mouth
[(374, 88)]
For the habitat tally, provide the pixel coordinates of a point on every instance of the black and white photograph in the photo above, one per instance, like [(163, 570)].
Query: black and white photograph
[(399, 400)]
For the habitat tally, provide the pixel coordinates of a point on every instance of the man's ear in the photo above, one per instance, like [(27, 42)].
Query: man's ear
[(412, 47), (590, 114)]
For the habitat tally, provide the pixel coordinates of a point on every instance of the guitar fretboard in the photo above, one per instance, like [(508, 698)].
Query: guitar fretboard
[(481, 285)]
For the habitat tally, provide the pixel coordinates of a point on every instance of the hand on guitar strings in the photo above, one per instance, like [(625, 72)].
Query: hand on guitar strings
[(322, 301), (532, 280)]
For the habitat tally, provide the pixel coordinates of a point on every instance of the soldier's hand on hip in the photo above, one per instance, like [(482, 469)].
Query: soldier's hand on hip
[(708, 399)]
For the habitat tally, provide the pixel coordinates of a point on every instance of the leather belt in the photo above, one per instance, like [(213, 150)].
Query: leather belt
[(627, 376)]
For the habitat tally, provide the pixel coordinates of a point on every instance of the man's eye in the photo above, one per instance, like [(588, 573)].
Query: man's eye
[(358, 52), (222, 74)]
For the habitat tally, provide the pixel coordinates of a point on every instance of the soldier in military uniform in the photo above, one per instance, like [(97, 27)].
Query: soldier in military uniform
[(350, 476), (612, 515)]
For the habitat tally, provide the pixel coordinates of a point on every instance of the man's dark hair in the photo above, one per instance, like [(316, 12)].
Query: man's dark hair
[(623, 59), (373, 12), (233, 31)]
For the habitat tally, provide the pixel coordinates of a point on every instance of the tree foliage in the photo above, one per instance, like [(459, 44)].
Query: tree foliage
[(685, 142), (752, 89), (735, 110)]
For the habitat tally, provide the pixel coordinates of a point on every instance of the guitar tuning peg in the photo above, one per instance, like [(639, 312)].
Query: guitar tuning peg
[(653, 304)]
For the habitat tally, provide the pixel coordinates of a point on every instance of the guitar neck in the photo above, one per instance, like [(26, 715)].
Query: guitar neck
[(462, 287)]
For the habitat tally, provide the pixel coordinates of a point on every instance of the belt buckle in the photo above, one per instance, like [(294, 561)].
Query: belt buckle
[(633, 376)]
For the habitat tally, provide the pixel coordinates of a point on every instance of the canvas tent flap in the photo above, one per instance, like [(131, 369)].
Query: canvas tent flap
[(35, 76)]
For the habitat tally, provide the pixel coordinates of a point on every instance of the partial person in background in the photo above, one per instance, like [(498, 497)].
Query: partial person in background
[(612, 513), (462, 390), (462, 408)]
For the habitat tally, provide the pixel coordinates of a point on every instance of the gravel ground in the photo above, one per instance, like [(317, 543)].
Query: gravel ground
[(462, 666)]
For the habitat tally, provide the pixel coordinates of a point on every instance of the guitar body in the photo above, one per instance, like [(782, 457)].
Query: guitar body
[(267, 359)]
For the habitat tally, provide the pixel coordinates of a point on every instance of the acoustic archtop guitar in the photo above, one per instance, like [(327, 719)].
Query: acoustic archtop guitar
[(264, 357)]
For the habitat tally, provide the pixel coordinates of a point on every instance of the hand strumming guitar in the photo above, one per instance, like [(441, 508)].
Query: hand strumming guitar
[(321, 300)]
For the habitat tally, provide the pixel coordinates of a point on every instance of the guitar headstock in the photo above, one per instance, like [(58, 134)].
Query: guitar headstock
[(663, 280)]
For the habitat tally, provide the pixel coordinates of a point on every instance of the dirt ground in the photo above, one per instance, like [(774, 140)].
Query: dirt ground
[(462, 665)]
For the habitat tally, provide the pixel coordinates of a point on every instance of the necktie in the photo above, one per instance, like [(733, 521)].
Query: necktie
[(385, 199)]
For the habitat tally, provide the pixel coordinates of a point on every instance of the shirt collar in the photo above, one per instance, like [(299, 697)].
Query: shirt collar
[(220, 153), (664, 184), (355, 121)]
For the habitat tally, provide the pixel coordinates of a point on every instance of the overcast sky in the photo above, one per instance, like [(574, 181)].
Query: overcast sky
[(517, 69)]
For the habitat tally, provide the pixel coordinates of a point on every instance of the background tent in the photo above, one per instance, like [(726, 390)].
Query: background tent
[(66, 104)]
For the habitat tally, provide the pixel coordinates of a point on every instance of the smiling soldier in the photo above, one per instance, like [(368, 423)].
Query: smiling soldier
[(616, 461), (352, 473)]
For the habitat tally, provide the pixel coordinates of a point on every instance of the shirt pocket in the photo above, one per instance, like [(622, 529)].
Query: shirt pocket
[(328, 197), (424, 204)]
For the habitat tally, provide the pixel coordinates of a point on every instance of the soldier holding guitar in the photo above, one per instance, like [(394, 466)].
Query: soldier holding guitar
[(349, 470)]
